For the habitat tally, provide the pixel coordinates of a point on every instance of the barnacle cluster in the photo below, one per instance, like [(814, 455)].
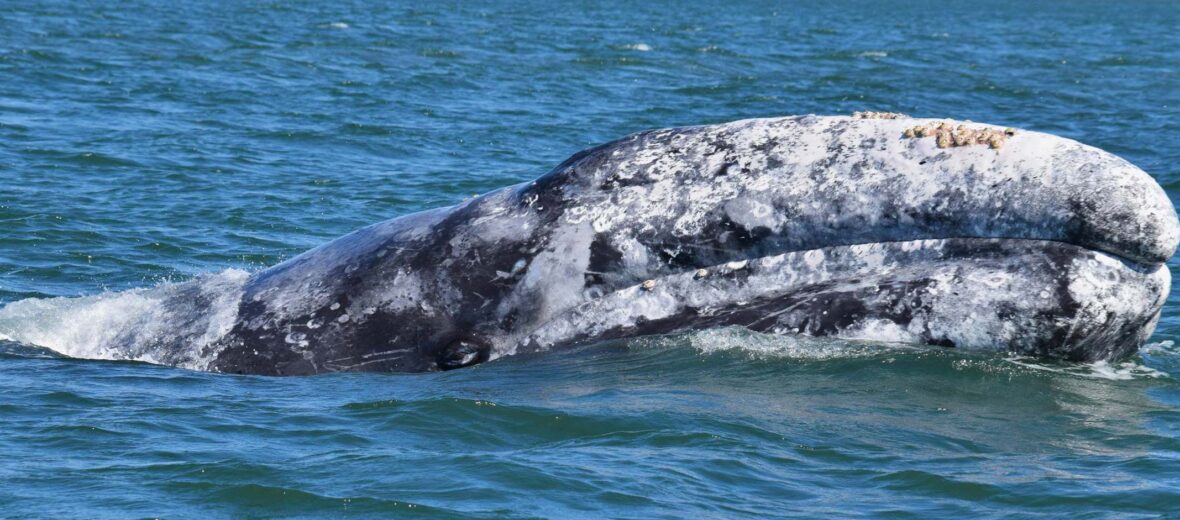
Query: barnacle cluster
[(877, 115), (947, 135)]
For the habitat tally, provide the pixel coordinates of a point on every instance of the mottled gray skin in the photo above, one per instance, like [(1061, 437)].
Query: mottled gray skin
[(825, 226)]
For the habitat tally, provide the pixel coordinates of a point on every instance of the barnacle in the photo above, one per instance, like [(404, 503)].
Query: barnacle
[(877, 115), (946, 136), (944, 140)]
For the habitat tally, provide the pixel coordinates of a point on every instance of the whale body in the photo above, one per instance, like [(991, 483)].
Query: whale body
[(811, 225)]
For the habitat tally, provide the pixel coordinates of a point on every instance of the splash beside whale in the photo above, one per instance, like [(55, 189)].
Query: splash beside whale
[(822, 226)]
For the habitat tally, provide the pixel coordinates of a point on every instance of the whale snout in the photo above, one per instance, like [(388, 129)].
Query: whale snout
[(1124, 212), (1133, 219)]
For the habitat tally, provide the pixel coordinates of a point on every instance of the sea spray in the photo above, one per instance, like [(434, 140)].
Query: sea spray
[(133, 324)]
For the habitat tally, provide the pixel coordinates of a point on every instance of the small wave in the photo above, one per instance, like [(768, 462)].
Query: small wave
[(1118, 371), (766, 346), (775, 346), (873, 54), (641, 47), (1159, 347), (12, 349)]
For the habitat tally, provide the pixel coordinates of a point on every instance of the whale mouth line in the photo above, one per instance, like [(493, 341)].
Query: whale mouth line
[(979, 243), (1129, 262), (1138, 265)]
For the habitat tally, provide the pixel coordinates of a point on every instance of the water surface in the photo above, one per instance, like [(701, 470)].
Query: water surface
[(148, 142)]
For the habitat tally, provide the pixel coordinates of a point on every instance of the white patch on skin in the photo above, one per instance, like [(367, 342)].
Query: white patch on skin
[(738, 265), (813, 258), (752, 213), (553, 280), (635, 256)]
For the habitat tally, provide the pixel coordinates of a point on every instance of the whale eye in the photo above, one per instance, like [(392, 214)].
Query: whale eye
[(463, 353)]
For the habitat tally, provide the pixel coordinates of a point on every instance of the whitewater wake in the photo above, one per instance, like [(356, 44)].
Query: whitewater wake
[(171, 323), (761, 345), (765, 346)]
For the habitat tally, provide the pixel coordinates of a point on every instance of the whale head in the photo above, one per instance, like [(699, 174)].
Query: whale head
[(824, 226)]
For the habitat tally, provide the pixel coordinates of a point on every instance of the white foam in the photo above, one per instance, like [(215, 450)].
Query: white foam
[(641, 47), (1159, 347), (1119, 371), (776, 346), (807, 348), (171, 323)]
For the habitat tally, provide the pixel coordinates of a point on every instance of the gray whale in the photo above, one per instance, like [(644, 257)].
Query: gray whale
[(822, 226)]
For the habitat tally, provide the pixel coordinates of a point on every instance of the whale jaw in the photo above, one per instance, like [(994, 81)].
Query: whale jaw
[(1027, 297)]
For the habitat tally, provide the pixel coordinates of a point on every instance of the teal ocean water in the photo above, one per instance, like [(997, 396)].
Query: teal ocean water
[(148, 142)]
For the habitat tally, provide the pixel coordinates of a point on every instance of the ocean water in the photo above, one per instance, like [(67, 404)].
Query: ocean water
[(148, 142)]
